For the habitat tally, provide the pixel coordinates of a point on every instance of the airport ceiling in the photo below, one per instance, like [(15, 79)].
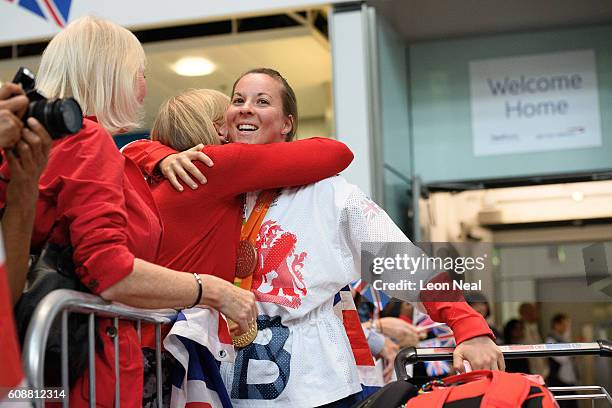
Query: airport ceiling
[(302, 58), (426, 20), (301, 51)]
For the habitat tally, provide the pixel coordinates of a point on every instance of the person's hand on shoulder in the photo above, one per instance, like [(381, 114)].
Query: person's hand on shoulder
[(482, 354), (13, 104), (180, 166)]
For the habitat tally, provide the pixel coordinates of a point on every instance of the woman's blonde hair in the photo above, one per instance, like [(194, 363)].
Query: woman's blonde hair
[(189, 119), (97, 62)]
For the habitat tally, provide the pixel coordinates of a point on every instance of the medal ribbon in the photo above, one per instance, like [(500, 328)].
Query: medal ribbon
[(250, 229)]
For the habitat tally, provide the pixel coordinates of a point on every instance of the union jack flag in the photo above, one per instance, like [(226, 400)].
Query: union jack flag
[(52, 10), (377, 298), (199, 341), (370, 209), (369, 375), (442, 337)]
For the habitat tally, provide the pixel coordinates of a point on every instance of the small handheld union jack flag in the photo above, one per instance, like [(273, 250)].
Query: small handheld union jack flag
[(378, 298), (443, 337)]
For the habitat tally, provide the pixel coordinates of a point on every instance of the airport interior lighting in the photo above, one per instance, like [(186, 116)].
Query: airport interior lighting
[(193, 66)]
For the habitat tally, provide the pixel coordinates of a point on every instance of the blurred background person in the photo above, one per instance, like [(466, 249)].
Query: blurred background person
[(401, 310), (533, 335), (514, 333), (396, 322), (480, 303), (382, 347), (563, 371), (365, 308)]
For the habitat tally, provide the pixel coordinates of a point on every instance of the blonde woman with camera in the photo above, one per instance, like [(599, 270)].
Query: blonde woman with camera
[(96, 201)]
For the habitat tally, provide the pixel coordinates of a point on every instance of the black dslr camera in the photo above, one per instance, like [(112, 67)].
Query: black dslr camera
[(61, 116)]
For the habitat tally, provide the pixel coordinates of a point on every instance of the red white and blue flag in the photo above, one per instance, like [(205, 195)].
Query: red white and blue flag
[(57, 11), (11, 373), (442, 337), (378, 298), (370, 375), (199, 340), (369, 208)]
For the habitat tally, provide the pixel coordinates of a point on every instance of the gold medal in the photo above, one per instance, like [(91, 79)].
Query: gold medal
[(246, 259), (247, 338)]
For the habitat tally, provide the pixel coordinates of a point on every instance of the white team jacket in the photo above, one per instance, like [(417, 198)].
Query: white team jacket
[(309, 248)]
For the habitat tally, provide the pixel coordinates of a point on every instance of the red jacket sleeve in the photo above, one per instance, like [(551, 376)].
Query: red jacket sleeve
[(86, 172), (239, 168), (146, 154), (461, 318), (451, 308)]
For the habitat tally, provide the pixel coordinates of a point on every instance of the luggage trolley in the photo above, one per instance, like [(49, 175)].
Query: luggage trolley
[(398, 393)]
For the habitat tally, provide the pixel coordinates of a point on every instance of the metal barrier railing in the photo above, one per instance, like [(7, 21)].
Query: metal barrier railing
[(68, 301), (603, 348)]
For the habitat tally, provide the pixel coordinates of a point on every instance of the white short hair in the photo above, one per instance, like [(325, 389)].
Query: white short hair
[(97, 62)]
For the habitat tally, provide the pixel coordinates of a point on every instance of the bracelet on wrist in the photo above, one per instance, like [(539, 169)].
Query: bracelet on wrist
[(200, 290)]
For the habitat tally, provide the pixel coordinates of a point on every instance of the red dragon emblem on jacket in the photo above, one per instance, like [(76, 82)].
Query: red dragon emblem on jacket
[(278, 278)]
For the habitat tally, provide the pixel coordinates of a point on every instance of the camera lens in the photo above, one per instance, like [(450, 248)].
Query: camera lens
[(70, 113), (59, 116)]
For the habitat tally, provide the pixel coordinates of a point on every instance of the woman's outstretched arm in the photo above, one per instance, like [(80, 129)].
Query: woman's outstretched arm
[(249, 167)]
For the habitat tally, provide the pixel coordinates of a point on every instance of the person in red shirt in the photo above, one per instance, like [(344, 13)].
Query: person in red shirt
[(95, 200), (253, 120)]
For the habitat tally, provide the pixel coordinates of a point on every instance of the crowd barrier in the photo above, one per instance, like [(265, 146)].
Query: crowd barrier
[(63, 302)]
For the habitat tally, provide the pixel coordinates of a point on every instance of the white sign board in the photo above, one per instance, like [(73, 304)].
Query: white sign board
[(535, 103), (30, 20)]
